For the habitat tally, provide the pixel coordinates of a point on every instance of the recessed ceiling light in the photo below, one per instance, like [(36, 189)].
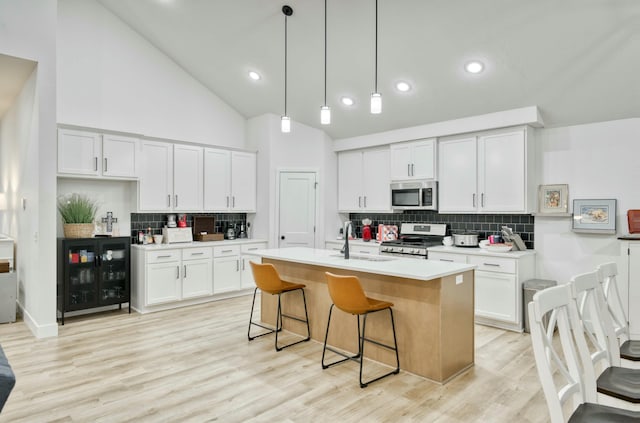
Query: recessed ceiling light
[(347, 101), (254, 75), (474, 67), (403, 86)]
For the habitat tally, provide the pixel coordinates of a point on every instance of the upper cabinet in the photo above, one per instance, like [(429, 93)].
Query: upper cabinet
[(413, 160), (487, 173), (90, 154), (363, 181), (171, 177), (229, 181)]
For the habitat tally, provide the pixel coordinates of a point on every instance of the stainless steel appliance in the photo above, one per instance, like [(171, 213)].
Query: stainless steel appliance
[(414, 239), (415, 195), (465, 239)]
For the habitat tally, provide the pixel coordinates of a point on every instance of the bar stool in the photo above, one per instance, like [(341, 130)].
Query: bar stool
[(347, 294), (267, 280)]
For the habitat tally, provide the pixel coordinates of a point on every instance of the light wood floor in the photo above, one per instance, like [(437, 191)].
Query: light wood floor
[(196, 365)]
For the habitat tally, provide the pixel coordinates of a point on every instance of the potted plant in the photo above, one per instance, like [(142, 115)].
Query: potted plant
[(78, 212)]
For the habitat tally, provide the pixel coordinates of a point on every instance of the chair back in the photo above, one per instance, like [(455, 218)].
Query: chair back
[(596, 321), (266, 276), (347, 293), (607, 273), (563, 357)]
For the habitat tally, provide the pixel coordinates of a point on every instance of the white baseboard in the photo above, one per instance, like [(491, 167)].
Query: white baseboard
[(39, 331)]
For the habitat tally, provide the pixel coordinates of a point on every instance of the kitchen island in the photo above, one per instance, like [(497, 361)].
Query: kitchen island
[(433, 307)]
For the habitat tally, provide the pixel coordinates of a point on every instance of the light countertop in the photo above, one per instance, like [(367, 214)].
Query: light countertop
[(383, 265), (197, 244), (477, 251)]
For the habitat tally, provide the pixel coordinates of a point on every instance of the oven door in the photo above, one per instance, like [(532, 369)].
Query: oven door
[(418, 195), (405, 198)]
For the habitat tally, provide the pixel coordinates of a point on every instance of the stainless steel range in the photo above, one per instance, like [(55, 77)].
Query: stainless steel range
[(414, 240)]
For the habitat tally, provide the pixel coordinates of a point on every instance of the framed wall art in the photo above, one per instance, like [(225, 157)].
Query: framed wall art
[(553, 200), (594, 216)]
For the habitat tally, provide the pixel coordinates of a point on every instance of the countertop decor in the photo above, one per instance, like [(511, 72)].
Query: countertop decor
[(78, 212)]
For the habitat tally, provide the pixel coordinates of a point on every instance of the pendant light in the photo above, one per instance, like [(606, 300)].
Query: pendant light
[(325, 111), (285, 121), (376, 97)]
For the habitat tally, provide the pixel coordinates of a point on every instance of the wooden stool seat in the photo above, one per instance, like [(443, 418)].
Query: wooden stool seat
[(268, 281)]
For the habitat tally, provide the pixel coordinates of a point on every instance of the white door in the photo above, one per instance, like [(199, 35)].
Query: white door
[(217, 179), (156, 177), (423, 160), (163, 283), (376, 194), (197, 278), (243, 181), (187, 177), (495, 296), (78, 152), (119, 156), (297, 209), (226, 274), (350, 181), (457, 185), (400, 161), (247, 274)]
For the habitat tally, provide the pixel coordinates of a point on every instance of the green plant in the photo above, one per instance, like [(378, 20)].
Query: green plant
[(77, 208)]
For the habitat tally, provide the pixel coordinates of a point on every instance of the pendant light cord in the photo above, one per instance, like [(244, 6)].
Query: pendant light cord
[(285, 65), (325, 52), (376, 77)]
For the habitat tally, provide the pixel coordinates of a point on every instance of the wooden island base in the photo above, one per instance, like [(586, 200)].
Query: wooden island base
[(434, 319)]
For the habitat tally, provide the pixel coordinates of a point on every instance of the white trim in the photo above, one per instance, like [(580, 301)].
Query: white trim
[(39, 331), (276, 224)]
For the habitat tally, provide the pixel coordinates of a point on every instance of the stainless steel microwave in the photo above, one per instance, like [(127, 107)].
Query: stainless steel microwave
[(414, 195)]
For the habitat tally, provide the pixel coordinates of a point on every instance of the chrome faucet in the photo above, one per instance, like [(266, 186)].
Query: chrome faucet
[(348, 226)]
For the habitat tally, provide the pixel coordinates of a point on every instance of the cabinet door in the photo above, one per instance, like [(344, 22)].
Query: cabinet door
[(634, 289), (156, 178), (197, 278), (163, 283), (375, 180), (423, 159), (243, 181), (400, 161), (350, 180), (226, 274), (247, 275), (119, 156), (187, 178), (502, 168), (457, 180), (78, 152), (217, 179), (496, 296)]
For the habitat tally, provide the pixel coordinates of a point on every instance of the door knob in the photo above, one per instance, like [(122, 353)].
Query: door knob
[(282, 237)]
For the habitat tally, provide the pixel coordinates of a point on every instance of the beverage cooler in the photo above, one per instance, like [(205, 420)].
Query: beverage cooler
[(93, 272)]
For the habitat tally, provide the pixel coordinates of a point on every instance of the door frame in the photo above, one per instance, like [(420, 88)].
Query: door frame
[(279, 172)]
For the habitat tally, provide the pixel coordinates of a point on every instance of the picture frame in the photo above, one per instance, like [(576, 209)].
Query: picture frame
[(553, 199), (594, 216)]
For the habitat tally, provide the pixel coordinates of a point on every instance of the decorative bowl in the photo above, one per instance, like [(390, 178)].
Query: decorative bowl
[(499, 248)]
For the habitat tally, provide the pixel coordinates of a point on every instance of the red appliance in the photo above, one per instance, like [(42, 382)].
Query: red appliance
[(182, 221), (366, 233), (633, 217)]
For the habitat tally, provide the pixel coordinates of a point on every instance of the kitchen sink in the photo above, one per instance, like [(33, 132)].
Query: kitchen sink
[(365, 258)]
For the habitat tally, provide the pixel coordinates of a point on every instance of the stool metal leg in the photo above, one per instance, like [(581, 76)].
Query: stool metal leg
[(251, 322), (325, 348), (394, 348), (281, 315)]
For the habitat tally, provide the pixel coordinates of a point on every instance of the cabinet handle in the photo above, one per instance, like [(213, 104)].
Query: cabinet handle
[(227, 201), (95, 164), (197, 254), (491, 264), (105, 165), (233, 201), (413, 170), (185, 271), (237, 265), (177, 272), (252, 248), (449, 260), (482, 199), (408, 169), (359, 202), (364, 252), (227, 251), (243, 264), (474, 200), (167, 256), (168, 200), (176, 202), (365, 201)]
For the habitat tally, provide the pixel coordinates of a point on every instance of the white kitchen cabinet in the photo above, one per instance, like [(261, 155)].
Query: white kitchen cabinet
[(628, 280), (91, 154), (487, 173), (229, 180), (498, 282), (363, 181), (197, 272), (226, 269), (413, 160), (162, 277), (246, 279), (171, 177)]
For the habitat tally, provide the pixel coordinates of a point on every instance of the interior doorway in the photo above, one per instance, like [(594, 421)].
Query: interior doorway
[(297, 197)]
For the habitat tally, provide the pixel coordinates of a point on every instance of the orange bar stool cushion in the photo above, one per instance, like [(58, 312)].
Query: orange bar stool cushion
[(347, 294)]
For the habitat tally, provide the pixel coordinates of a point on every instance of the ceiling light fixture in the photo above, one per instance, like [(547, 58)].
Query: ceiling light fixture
[(254, 75), (285, 121), (325, 111), (474, 67), (403, 86), (376, 98), (347, 101)]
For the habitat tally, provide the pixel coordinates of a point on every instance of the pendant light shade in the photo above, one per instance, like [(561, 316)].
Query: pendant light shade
[(376, 97), (285, 121), (325, 111)]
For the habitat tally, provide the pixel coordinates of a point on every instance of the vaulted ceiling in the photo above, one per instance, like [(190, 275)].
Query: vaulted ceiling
[(577, 60)]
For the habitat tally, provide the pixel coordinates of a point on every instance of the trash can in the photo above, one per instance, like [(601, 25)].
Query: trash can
[(529, 288)]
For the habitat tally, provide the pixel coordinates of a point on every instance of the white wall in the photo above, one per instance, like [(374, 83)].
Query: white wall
[(304, 148), (109, 77), (28, 30)]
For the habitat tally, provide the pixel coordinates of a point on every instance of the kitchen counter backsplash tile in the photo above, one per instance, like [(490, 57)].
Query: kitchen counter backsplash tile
[(482, 224), (157, 221)]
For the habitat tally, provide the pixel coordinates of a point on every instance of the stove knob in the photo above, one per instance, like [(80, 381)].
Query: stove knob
[(401, 250), (415, 251)]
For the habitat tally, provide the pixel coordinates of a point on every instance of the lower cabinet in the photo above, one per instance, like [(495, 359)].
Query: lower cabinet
[(226, 269), (246, 279), (498, 283), (196, 272)]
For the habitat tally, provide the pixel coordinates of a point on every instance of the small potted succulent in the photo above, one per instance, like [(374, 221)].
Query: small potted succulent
[(78, 212)]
